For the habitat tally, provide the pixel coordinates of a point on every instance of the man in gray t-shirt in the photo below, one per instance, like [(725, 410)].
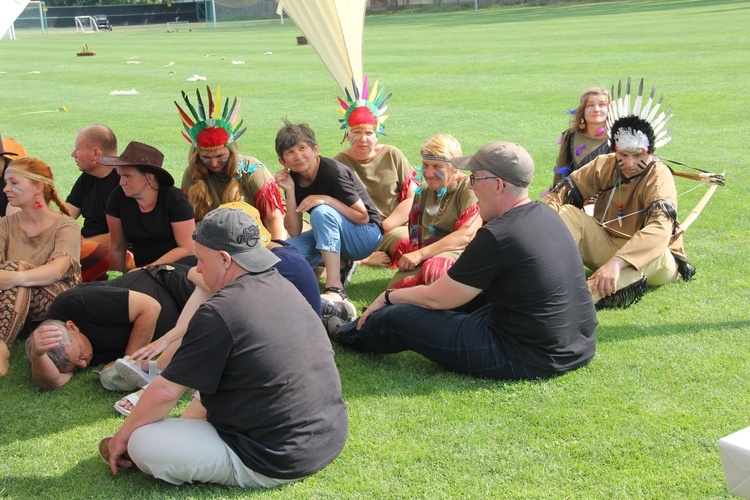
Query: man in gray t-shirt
[(270, 408)]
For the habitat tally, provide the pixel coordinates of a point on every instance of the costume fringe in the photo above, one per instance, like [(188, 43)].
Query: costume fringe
[(570, 193), (467, 215), (668, 209), (406, 185), (431, 270), (268, 199), (625, 297), (686, 269)]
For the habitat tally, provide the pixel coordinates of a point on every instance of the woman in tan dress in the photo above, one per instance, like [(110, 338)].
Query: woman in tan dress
[(39, 250), (443, 219)]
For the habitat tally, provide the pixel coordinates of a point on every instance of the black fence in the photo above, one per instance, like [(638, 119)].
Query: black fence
[(127, 15)]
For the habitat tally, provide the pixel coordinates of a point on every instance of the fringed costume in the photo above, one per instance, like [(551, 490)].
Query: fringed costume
[(433, 217)]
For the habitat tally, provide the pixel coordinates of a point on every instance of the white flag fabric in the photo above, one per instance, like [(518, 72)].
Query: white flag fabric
[(9, 12), (335, 29)]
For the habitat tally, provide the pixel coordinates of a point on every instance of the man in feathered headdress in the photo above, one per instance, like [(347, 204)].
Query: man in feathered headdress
[(631, 241)]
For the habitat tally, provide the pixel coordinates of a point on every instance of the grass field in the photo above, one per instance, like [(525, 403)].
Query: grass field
[(670, 375)]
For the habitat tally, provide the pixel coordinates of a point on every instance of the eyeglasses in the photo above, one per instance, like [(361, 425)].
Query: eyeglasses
[(473, 178), (220, 160)]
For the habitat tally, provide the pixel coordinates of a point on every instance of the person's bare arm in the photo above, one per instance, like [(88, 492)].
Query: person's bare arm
[(44, 372), (445, 293), (117, 244), (183, 235)]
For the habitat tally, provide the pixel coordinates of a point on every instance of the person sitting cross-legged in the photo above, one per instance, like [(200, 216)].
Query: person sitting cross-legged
[(270, 410), (346, 225), (539, 321), (139, 369)]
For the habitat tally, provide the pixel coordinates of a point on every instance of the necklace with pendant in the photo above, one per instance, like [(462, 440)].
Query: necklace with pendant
[(440, 205)]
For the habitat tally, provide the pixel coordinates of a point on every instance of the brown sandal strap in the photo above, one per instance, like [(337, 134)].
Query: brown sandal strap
[(339, 291)]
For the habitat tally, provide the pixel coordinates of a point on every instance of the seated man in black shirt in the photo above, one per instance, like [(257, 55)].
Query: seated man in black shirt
[(540, 319), (97, 323), (89, 196)]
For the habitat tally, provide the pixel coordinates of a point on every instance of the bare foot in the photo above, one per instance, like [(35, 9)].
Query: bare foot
[(377, 259), (126, 404)]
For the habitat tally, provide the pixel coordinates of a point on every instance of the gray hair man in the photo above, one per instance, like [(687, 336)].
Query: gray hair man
[(270, 409)]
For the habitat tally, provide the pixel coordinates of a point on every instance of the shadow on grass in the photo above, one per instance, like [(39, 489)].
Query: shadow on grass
[(91, 478)]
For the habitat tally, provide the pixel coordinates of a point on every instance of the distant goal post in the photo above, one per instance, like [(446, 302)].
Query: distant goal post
[(34, 16), (86, 24)]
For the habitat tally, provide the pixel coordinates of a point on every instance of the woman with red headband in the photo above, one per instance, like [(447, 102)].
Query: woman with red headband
[(217, 173), (382, 168)]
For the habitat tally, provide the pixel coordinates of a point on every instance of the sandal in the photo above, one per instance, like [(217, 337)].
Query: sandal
[(339, 291), (134, 374), (132, 398)]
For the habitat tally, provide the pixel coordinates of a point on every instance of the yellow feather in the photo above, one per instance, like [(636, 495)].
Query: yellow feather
[(373, 93), (341, 111)]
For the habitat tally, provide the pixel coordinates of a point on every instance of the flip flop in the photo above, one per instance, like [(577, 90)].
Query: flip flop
[(104, 448), (104, 451), (133, 398)]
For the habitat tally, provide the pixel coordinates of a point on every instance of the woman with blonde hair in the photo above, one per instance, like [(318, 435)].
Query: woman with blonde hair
[(586, 137), (443, 219), (217, 173), (39, 250)]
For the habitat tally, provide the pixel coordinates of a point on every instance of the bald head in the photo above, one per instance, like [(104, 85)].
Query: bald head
[(102, 137)]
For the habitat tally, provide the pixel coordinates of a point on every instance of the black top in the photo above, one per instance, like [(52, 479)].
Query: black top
[(90, 195), (338, 181), (150, 233), (529, 268), (100, 310)]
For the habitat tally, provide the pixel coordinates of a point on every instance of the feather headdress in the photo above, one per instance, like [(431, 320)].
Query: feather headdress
[(367, 108), (214, 129), (620, 107)]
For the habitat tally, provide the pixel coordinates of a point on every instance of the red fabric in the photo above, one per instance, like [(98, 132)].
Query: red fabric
[(268, 199), (431, 270), (94, 260), (412, 179), (466, 216), (399, 249)]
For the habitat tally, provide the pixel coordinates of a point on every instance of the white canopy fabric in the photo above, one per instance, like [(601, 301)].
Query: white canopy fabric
[(335, 29), (9, 12)]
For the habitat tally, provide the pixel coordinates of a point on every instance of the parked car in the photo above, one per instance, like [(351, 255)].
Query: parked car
[(102, 22)]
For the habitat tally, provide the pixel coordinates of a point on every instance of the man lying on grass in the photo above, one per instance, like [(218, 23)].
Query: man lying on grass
[(96, 323)]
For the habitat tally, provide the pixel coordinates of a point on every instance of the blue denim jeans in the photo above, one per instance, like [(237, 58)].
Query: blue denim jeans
[(460, 342), (333, 232)]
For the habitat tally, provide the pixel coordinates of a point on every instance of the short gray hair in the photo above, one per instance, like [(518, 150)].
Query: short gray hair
[(58, 354)]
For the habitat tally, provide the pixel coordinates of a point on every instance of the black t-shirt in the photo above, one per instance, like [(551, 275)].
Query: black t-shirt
[(264, 366), (100, 309), (338, 181), (530, 270), (90, 195), (150, 234)]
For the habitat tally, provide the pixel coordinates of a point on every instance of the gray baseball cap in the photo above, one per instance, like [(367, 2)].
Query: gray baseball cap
[(507, 160), (235, 231)]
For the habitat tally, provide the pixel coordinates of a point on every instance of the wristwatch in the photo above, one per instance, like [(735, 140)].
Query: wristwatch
[(387, 297)]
